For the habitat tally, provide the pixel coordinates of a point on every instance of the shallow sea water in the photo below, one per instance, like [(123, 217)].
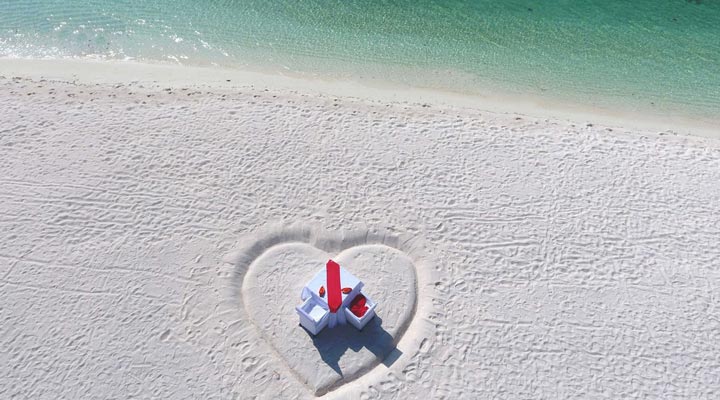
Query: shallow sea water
[(662, 55)]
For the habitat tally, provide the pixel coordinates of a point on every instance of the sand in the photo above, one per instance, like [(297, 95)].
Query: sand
[(271, 276), (555, 258)]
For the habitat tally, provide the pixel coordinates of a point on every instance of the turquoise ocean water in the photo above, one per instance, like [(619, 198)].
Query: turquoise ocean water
[(645, 54)]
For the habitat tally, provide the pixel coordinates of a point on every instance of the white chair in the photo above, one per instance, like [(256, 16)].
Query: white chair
[(314, 315), (360, 322)]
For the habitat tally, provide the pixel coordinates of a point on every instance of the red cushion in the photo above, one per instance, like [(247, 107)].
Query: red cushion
[(358, 307)]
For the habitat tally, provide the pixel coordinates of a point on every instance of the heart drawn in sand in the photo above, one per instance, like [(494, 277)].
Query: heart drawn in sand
[(276, 267)]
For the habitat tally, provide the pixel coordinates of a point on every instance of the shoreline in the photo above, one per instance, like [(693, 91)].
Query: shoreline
[(121, 72)]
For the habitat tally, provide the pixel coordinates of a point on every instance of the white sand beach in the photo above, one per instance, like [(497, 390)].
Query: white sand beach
[(557, 254)]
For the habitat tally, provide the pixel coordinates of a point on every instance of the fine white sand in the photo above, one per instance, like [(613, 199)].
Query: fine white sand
[(554, 259)]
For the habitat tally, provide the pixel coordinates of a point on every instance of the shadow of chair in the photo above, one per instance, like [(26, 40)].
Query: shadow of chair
[(333, 343)]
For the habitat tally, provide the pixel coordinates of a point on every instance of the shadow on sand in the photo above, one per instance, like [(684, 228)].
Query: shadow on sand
[(333, 343)]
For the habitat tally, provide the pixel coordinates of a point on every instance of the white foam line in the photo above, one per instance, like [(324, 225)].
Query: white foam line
[(123, 72)]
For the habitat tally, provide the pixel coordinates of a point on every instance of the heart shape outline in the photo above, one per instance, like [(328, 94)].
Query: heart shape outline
[(410, 339)]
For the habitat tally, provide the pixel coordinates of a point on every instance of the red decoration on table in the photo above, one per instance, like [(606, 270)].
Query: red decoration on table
[(322, 291), (333, 289), (346, 290), (358, 307)]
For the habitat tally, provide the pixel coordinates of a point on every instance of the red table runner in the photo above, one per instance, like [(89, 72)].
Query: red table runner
[(333, 286)]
